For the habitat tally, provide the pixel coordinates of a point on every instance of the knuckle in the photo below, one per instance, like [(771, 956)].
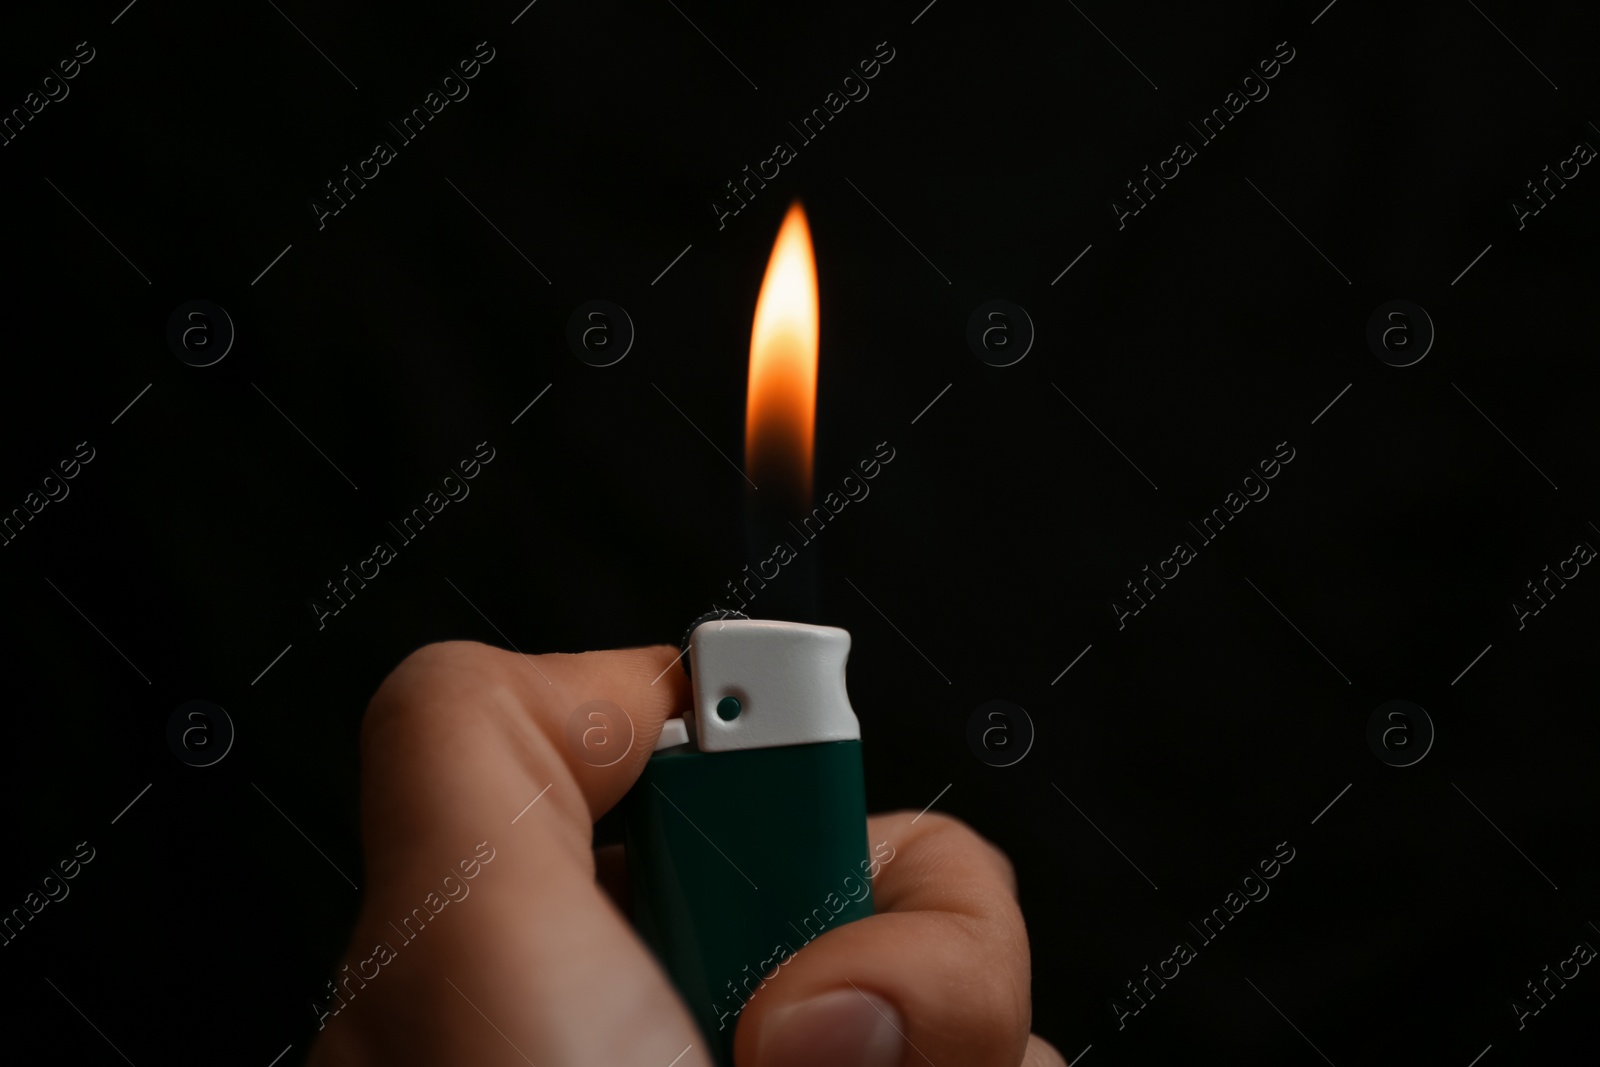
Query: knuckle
[(956, 836), (1003, 864), (946, 827), (423, 683), (996, 1023), (1042, 1053), (445, 654)]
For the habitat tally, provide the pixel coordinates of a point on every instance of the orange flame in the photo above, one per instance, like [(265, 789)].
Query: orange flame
[(781, 408)]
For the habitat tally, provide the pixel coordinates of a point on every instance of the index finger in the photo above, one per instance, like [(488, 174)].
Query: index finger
[(462, 736)]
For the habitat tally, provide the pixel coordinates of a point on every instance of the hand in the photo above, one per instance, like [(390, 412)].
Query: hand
[(483, 940)]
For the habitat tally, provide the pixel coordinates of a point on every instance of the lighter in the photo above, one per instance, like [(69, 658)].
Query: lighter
[(746, 834)]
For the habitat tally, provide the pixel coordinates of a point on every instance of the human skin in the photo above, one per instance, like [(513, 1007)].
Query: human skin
[(537, 963)]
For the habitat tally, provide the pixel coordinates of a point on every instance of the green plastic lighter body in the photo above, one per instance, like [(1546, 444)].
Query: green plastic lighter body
[(740, 857)]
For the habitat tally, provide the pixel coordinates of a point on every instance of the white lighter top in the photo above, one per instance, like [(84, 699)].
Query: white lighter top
[(761, 683)]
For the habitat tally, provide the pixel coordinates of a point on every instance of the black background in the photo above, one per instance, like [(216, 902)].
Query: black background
[(1196, 338)]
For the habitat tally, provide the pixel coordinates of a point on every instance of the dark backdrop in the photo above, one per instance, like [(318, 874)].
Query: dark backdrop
[(1185, 344)]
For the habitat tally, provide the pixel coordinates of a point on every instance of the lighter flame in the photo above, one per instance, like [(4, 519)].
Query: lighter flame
[(781, 408)]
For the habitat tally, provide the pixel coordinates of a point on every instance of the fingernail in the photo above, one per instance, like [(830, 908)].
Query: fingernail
[(846, 1028)]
